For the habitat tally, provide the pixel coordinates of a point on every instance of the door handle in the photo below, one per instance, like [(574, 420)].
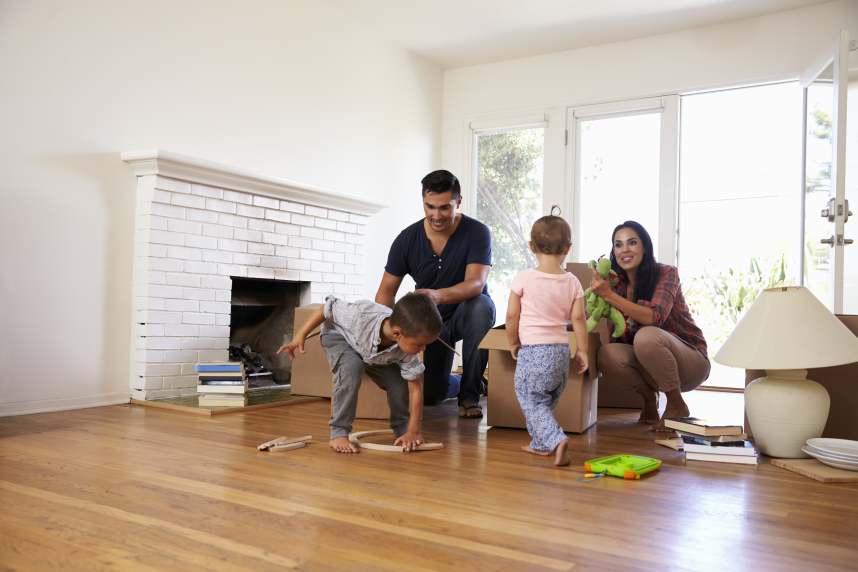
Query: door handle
[(828, 211), (833, 210), (839, 241)]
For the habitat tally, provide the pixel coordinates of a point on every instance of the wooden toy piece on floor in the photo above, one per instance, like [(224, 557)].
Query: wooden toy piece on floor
[(287, 446), (358, 435), (623, 466), (284, 444)]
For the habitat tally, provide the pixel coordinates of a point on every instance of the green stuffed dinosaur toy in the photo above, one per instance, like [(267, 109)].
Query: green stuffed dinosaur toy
[(598, 307)]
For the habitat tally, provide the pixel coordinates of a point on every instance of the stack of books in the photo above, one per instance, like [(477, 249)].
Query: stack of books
[(704, 441), (222, 384)]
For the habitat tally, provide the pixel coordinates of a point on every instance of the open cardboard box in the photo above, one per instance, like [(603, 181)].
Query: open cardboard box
[(576, 408), (311, 374), (611, 393), (842, 384)]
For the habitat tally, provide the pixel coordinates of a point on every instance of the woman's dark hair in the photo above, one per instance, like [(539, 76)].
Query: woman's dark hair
[(416, 315), (647, 274), (441, 181)]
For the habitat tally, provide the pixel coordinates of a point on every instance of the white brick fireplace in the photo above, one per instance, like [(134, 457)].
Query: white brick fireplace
[(197, 225)]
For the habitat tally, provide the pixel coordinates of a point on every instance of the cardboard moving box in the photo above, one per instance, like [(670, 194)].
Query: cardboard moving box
[(611, 393), (311, 374), (576, 408)]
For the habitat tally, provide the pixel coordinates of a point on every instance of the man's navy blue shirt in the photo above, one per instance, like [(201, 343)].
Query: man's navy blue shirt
[(411, 253)]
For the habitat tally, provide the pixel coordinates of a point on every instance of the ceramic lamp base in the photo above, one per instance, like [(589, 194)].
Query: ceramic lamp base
[(785, 409)]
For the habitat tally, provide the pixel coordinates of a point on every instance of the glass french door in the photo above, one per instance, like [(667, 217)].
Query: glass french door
[(739, 205), (622, 161), (830, 264)]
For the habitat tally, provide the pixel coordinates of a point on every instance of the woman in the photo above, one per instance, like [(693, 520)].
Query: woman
[(662, 348)]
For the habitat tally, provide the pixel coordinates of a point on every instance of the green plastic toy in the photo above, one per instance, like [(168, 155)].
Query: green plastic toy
[(623, 466)]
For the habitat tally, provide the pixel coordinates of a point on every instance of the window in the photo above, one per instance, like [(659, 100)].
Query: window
[(618, 179), (509, 198)]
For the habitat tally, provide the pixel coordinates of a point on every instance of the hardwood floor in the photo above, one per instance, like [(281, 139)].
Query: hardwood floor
[(134, 488)]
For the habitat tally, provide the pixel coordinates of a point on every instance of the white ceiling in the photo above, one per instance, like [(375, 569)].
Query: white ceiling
[(457, 33)]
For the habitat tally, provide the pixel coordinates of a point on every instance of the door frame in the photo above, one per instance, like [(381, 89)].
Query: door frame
[(838, 59), (668, 210)]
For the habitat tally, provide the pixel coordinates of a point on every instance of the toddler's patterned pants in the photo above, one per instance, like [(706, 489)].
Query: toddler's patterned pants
[(540, 378)]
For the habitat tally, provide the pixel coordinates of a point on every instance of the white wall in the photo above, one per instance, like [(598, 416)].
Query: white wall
[(287, 89), (774, 47)]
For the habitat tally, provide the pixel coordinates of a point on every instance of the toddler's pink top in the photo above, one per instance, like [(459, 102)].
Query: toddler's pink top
[(546, 304)]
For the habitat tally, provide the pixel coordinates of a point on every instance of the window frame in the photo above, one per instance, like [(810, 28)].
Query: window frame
[(668, 200)]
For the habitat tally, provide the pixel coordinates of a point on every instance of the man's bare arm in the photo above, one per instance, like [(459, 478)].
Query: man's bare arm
[(476, 276), (387, 290)]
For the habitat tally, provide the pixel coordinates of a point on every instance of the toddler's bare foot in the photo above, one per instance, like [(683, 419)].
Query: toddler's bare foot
[(343, 445), (527, 449), (561, 454)]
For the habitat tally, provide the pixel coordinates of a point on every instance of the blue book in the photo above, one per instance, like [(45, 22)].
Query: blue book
[(218, 367)]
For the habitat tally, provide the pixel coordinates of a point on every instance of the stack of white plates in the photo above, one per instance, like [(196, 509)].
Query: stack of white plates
[(839, 453)]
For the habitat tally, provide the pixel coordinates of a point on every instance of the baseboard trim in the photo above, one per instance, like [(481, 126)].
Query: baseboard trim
[(50, 405)]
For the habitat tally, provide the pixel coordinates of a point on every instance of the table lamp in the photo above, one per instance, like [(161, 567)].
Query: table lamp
[(786, 331)]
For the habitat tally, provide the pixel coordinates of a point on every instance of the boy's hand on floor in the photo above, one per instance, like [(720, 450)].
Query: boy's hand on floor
[(409, 440), (291, 347)]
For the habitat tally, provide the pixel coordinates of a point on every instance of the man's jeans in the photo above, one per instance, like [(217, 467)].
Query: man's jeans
[(469, 323)]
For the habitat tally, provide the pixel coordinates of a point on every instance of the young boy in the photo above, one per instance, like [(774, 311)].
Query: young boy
[(542, 301), (365, 336)]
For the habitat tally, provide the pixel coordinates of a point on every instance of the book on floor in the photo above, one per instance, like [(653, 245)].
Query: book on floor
[(718, 458), (221, 400), (699, 426), (747, 449), (220, 377), (223, 366), (673, 443), (714, 438), (222, 389), (228, 382), (708, 442)]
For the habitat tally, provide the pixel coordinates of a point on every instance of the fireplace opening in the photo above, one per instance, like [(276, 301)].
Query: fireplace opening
[(263, 312)]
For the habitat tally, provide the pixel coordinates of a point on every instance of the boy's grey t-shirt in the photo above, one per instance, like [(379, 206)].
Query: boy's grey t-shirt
[(359, 323)]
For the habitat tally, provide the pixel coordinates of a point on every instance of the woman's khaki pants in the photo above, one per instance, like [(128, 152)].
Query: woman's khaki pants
[(656, 360)]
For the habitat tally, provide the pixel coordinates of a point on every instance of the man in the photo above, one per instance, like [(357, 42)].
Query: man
[(449, 256)]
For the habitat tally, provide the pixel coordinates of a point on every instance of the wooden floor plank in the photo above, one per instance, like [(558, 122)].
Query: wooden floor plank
[(141, 488)]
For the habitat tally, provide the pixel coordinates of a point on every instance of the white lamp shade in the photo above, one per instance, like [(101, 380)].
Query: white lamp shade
[(788, 328)]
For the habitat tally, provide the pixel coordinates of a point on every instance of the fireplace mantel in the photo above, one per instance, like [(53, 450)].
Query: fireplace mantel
[(201, 171), (199, 225)]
